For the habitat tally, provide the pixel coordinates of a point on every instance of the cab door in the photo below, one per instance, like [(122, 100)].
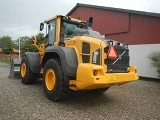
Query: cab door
[(51, 32)]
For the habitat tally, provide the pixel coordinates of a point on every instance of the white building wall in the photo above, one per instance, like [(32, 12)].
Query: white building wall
[(139, 57)]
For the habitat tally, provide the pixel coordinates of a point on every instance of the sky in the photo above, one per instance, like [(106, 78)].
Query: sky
[(22, 17)]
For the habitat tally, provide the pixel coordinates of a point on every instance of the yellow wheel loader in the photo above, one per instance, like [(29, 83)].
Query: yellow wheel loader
[(75, 57)]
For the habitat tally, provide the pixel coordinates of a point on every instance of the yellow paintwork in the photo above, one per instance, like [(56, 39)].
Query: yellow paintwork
[(103, 55), (23, 69), (50, 79), (77, 43), (58, 21), (41, 48), (85, 79), (52, 18)]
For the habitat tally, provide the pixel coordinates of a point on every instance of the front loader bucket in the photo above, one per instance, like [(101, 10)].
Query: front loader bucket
[(15, 69)]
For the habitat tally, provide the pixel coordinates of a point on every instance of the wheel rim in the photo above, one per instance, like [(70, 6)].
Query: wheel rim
[(50, 79), (23, 69)]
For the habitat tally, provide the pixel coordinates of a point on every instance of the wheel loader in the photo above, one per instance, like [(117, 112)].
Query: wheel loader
[(75, 57)]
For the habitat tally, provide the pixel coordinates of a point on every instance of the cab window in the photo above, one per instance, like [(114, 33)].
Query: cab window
[(51, 32), (70, 28)]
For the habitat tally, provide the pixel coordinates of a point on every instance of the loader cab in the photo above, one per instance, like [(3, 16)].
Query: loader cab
[(61, 28)]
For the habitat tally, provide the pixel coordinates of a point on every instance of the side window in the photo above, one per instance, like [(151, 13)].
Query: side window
[(51, 32)]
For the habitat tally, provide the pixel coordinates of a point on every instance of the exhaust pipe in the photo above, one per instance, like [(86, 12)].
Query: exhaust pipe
[(15, 69)]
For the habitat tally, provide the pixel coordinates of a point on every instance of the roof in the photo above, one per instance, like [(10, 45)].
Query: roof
[(14, 50), (46, 21), (73, 19), (114, 9)]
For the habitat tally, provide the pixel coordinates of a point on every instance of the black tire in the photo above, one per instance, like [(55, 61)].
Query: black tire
[(100, 90), (27, 76), (53, 73)]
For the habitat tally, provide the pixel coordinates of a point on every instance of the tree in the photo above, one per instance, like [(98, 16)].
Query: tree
[(15, 44), (26, 43), (155, 60), (7, 47), (40, 38), (6, 40)]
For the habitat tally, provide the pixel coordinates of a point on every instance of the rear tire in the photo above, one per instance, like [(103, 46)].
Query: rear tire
[(55, 82), (27, 76)]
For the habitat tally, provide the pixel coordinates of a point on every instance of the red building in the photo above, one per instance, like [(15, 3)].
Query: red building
[(141, 30), (14, 55)]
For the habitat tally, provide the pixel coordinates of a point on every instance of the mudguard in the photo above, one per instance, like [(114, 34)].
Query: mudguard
[(34, 61), (67, 56)]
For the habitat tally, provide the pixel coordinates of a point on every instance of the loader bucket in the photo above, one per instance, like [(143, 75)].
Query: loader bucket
[(15, 69)]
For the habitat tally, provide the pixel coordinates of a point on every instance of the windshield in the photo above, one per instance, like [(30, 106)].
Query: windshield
[(71, 27)]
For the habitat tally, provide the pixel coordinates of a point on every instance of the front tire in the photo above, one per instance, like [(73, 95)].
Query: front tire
[(54, 81), (27, 76)]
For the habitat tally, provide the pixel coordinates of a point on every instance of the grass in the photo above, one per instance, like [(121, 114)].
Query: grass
[(5, 61)]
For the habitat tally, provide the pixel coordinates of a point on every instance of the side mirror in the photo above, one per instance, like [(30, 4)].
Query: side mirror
[(41, 26)]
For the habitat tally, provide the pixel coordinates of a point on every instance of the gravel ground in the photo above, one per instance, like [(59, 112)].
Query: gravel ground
[(138, 100)]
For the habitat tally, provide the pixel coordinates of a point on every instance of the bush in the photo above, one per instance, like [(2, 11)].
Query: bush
[(155, 61)]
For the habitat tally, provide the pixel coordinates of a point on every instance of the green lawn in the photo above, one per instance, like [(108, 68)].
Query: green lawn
[(6, 61)]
